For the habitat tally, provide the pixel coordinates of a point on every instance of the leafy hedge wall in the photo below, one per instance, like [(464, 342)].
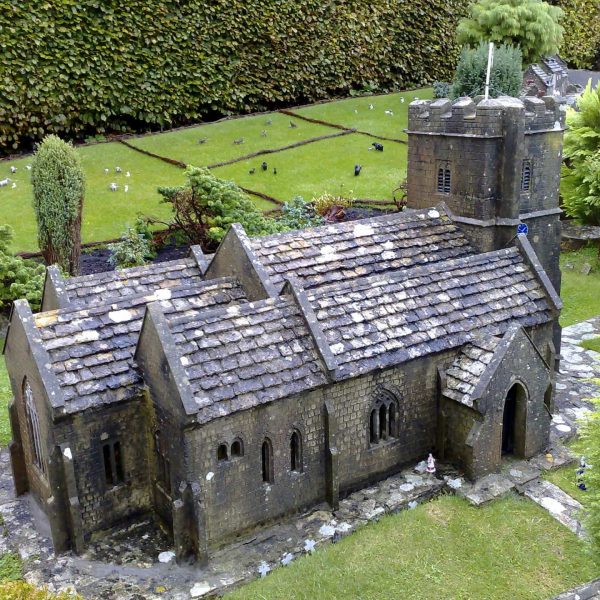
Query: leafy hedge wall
[(581, 45), (74, 67)]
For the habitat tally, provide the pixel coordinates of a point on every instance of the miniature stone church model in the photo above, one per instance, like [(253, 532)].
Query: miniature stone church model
[(222, 392)]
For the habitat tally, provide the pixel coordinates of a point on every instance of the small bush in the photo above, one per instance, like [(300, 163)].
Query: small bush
[(325, 202), (20, 590), (58, 184), (580, 184), (506, 77), (19, 278), (441, 89), (298, 214), (11, 567), (531, 25), (206, 208), (136, 247)]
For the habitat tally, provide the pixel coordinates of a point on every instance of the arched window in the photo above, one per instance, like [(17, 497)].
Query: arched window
[(444, 179), (383, 422), (237, 448), (267, 461), (383, 418), (33, 425), (374, 427), (296, 452), (222, 452)]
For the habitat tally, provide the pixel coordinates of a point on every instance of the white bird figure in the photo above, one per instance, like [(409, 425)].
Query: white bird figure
[(13, 169), (113, 187), (355, 111), (28, 167), (402, 100), (118, 169), (106, 171), (389, 112), (371, 107), (14, 185), (4, 182), (128, 174), (126, 189)]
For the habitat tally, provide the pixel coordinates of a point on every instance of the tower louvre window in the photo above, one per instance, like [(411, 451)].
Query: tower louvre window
[(444, 179), (113, 463), (33, 423), (526, 176)]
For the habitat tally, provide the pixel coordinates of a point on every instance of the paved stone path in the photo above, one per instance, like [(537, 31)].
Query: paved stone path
[(126, 566)]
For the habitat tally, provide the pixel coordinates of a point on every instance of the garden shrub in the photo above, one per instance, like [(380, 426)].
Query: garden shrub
[(58, 184), (580, 182), (135, 248), (85, 67), (532, 25), (299, 214), (205, 208), (20, 590), (11, 567), (581, 44), (506, 76), (441, 89), (325, 202), (19, 278)]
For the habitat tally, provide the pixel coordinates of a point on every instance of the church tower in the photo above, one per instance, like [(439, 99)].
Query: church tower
[(496, 164)]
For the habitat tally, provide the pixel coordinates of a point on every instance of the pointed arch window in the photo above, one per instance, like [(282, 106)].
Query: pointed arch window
[(383, 417), (296, 451), (444, 178), (267, 461), (33, 426)]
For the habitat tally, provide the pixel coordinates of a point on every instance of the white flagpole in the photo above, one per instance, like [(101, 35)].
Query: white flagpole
[(489, 70)]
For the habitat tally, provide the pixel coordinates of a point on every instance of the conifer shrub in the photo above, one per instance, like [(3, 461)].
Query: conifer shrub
[(58, 182), (135, 248), (580, 182), (532, 25), (19, 278), (506, 76)]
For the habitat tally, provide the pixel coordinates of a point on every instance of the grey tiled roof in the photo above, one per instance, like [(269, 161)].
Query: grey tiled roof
[(241, 356), (469, 365), (100, 288), (91, 350), (380, 321), (354, 249)]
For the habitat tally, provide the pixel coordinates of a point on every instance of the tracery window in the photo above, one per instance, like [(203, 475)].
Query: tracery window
[(33, 426), (383, 417)]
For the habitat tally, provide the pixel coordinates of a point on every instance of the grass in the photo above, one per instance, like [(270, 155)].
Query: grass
[(11, 567), (566, 479), (580, 293), (105, 213), (355, 112), (326, 166), (444, 549), (592, 344), (5, 397)]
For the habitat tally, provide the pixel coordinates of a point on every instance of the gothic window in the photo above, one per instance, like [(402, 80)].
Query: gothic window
[(444, 179), (296, 451), (237, 448), (267, 461), (33, 425), (526, 176), (113, 463), (222, 453), (383, 417), (164, 466)]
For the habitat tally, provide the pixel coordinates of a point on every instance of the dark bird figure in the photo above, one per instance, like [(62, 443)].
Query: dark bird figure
[(357, 169), (378, 146), (203, 140), (293, 125), (269, 122), (264, 166), (240, 141), (252, 171), (274, 170), (263, 133)]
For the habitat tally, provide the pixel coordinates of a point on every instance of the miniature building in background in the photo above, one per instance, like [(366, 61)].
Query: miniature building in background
[(549, 77), (221, 392)]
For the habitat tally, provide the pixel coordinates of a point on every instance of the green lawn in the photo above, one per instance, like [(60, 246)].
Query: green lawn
[(593, 344), (355, 113), (5, 396), (580, 293), (105, 213), (183, 144), (445, 549), (326, 166)]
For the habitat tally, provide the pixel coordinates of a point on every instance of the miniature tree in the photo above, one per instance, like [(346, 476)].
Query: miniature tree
[(205, 208), (580, 183), (506, 76), (532, 25), (58, 190)]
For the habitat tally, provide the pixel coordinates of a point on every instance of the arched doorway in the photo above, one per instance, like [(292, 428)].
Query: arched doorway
[(513, 421)]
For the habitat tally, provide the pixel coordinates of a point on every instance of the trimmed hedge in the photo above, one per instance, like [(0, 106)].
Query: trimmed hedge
[(581, 44), (78, 67)]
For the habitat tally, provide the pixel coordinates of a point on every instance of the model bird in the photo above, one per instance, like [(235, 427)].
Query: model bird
[(274, 170), (389, 112), (264, 165), (293, 125), (238, 142), (269, 121), (371, 107), (14, 186), (357, 170), (126, 189), (128, 174), (113, 187), (13, 169), (203, 140), (28, 167), (118, 170), (4, 182), (106, 171), (378, 146), (252, 171), (263, 133)]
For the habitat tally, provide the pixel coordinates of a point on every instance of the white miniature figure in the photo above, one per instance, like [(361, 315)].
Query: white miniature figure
[(430, 463)]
